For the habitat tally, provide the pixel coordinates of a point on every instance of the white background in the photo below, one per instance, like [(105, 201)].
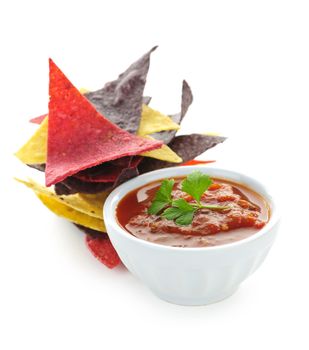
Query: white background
[(248, 65)]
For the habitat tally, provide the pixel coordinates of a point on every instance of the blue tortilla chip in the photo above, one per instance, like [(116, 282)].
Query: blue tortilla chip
[(121, 100), (186, 146), (186, 100)]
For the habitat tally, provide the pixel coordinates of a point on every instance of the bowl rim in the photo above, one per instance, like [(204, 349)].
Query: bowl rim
[(109, 208)]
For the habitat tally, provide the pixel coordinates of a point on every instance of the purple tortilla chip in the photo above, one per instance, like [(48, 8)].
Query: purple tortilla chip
[(105, 172), (129, 172), (186, 100), (146, 100), (61, 189), (186, 146), (126, 175), (121, 100), (112, 171), (72, 185), (90, 231), (40, 167)]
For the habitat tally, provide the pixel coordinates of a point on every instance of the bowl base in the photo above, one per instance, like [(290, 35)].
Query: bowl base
[(196, 301)]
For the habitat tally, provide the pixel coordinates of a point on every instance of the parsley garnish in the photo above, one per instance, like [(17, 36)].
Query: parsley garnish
[(179, 210), (163, 197)]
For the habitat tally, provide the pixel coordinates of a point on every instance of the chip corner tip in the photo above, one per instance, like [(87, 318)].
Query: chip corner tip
[(49, 182), (154, 48), (185, 83), (52, 64)]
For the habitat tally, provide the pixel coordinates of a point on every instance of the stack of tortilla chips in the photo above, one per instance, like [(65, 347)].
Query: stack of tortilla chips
[(91, 142)]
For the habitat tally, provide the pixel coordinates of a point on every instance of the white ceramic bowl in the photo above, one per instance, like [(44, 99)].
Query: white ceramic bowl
[(190, 276)]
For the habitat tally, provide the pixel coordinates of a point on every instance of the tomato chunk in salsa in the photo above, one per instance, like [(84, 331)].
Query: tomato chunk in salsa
[(247, 213)]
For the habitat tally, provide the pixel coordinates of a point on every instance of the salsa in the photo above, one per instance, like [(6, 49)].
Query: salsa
[(246, 212)]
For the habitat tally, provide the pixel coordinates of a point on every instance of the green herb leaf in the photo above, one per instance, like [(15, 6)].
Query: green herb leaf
[(172, 213), (163, 197), (181, 211), (164, 194), (185, 219), (156, 207), (196, 184), (215, 207), (183, 205)]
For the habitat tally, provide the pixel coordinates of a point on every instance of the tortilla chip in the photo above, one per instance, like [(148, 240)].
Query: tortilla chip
[(71, 214), (89, 231), (164, 153), (110, 171), (90, 206), (29, 157), (38, 140), (129, 172), (103, 250), (153, 121), (95, 200), (187, 146), (109, 176), (106, 172), (34, 151), (191, 146), (121, 100), (62, 189), (146, 100), (197, 162), (78, 136), (186, 100), (100, 246), (72, 185), (40, 167), (38, 120)]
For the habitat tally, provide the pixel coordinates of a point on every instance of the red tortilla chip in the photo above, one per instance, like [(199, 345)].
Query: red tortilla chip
[(197, 162), (78, 136), (38, 120), (102, 249), (100, 246)]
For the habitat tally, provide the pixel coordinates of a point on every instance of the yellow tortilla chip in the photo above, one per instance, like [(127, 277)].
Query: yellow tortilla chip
[(34, 151), (92, 206), (163, 153), (95, 200), (153, 121), (83, 90), (211, 133), (71, 214)]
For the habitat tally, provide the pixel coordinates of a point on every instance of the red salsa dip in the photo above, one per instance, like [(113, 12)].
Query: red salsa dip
[(247, 213)]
